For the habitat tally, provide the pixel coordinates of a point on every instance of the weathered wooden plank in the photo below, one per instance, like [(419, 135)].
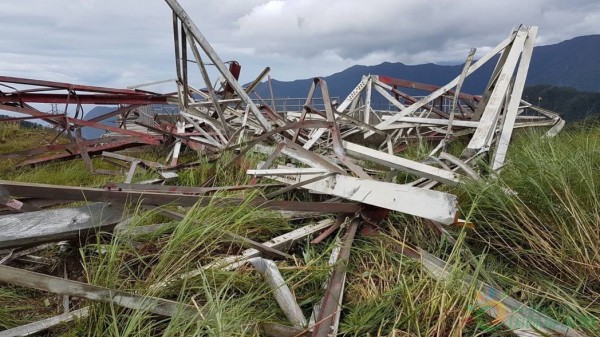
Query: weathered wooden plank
[(57, 224)]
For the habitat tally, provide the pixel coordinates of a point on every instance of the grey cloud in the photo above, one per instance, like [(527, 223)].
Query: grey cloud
[(119, 43)]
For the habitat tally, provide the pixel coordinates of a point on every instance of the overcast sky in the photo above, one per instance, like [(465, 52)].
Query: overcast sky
[(125, 42)]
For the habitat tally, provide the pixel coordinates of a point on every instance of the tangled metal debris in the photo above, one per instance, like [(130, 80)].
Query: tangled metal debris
[(331, 146)]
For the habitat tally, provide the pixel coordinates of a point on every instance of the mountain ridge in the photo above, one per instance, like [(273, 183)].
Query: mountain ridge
[(571, 63)]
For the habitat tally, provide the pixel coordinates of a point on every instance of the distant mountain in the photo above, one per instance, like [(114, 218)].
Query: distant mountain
[(91, 133), (572, 104), (573, 63)]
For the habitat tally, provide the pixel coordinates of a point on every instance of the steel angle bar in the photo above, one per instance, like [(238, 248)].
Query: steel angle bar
[(432, 205), (412, 108), (515, 98), (84, 98), (185, 189), (353, 94), (45, 191), (287, 171), (265, 250), (556, 128), (216, 60), (146, 138), (312, 159), (284, 297), (17, 119), (426, 106), (367, 108), (208, 85), (460, 164), (18, 205), (399, 163), (463, 74), (126, 142), (379, 86), (115, 113), (396, 82), (250, 88), (431, 121), (56, 120), (297, 185), (332, 301), (489, 118), (297, 125), (192, 119), (58, 147), (37, 227), (45, 324), (125, 299), (336, 138), (517, 316), (233, 262), (269, 161), (68, 86)]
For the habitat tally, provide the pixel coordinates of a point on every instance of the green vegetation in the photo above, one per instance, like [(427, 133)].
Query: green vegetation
[(535, 237), (571, 103)]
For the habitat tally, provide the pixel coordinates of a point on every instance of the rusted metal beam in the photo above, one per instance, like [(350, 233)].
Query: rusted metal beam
[(59, 147), (73, 153), (332, 301), (186, 189), (422, 86), (84, 98), (117, 112), (68, 86), (45, 191)]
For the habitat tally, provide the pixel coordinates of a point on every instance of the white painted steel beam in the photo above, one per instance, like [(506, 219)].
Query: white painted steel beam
[(214, 57), (287, 171), (414, 107), (489, 118), (433, 205), (403, 164), (515, 99)]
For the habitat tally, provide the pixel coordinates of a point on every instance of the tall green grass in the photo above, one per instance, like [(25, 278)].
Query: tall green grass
[(536, 237), (540, 217)]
